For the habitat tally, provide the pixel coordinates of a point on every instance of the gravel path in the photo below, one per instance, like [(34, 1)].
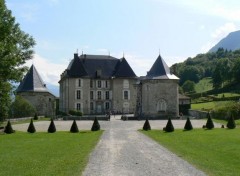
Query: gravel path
[(123, 151)]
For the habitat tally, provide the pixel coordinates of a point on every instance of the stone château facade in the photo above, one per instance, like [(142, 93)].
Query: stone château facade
[(33, 89), (97, 84)]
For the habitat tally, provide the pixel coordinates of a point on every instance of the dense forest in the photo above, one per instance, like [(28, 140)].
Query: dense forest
[(223, 66)]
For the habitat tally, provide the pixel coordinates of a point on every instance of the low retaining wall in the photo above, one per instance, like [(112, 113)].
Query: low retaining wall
[(197, 114), (89, 117)]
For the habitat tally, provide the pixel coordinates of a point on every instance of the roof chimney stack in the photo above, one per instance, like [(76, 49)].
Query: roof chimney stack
[(75, 55)]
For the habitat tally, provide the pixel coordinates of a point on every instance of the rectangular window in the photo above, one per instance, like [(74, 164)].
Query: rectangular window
[(107, 105), (99, 95), (78, 96), (99, 84), (91, 95), (91, 83), (106, 84), (91, 106), (125, 95), (79, 83), (78, 107), (107, 95)]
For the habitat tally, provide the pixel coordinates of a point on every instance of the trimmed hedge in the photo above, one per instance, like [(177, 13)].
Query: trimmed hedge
[(231, 123), (209, 124), (146, 125), (96, 125), (8, 129), (74, 127), (31, 127), (169, 127), (188, 125), (52, 128)]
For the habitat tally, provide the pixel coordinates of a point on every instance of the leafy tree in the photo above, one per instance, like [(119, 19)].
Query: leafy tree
[(236, 70), (74, 127), (222, 72), (146, 125), (31, 127), (16, 47), (22, 108), (191, 73), (96, 125), (188, 86)]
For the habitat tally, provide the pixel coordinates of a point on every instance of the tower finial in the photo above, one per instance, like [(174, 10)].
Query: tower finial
[(77, 51), (123, 54), (82, 52), (108, 53), (159, 51)]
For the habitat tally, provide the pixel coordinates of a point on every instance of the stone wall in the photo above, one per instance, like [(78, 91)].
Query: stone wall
[(160, 98), (44, 102), (197, 114)]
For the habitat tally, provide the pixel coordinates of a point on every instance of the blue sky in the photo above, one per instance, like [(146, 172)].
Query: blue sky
[(140, 29)]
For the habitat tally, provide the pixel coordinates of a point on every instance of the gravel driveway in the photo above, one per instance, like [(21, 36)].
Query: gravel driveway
[(123, 151)]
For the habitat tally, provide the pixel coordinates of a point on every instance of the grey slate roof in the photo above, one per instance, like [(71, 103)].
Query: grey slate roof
[(88, 65), (160, 70), (32, 82)]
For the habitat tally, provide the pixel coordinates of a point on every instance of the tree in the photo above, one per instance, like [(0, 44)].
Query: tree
[(52, 128), (188, 125), (169, 127), (236, 70), (74, 127), (31, 127), (146, 125), (231, 123), (96, 125), (16, 47), (209, 124), (192, 73), (188, 86), (22, 108)]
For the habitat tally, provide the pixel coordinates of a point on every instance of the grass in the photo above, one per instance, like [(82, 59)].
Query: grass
[(227, 94), (24, 121), (209, 105), (204, 85), (61, 153), (216, 152)]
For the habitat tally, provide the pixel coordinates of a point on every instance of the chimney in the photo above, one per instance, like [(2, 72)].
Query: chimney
[(75, 55)]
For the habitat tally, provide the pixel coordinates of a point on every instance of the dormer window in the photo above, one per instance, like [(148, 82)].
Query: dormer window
[(99, 73)]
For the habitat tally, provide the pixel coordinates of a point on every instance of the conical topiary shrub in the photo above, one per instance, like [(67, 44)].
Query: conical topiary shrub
[(74, 127), (146, 125), (52, 128), (96, 125), (231, 123), (188, 125), (31, 127), (209, 124), (8, 129), (35, 116), (169, 127)]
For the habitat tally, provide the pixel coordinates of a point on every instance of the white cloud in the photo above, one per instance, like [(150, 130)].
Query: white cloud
[(49, 72), (219, 34)]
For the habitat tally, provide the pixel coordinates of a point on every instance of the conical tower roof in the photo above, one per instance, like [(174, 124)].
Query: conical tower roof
[(123, 69), (160, 70), (32, 82)]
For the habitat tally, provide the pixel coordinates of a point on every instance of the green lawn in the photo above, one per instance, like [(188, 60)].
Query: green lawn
[(216, 152), (61, 153), (209, 105), (204, 85)]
